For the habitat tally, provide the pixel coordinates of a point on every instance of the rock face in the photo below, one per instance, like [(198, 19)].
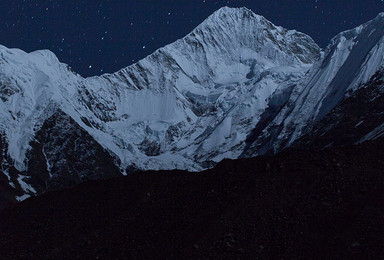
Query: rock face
[(236, 86), (349, 62), (63, 154), (356, 119)]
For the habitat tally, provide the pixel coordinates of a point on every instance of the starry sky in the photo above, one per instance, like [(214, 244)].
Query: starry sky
[(103, 36)]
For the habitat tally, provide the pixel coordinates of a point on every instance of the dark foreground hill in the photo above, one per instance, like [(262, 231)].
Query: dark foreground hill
[(298, 204)]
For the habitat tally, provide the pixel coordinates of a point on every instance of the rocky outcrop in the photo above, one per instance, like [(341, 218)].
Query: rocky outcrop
[(63, 154)]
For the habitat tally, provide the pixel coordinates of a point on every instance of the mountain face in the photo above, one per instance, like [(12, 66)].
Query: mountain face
[(236, 86), (348, 123), (349, 62)]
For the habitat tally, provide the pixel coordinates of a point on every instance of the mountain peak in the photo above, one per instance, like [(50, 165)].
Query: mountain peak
[(237, 10), (236, 13), (229, 27)]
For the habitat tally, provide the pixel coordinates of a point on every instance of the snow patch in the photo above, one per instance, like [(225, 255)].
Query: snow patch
[(25, 186), (23, 197)]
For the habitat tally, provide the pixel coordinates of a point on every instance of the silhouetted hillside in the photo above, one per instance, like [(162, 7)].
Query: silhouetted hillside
[(297, 204)]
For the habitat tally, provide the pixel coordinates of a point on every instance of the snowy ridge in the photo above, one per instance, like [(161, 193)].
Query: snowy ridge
[(350, 60), (30, 85)]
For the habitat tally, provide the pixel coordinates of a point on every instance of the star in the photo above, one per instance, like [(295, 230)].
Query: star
[(108, 29)]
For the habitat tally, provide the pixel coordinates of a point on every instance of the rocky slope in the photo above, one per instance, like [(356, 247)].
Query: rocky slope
[(349, 123), (299, 204), (349, 62)]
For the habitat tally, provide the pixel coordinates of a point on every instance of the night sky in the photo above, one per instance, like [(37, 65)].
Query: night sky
[(100, 36)]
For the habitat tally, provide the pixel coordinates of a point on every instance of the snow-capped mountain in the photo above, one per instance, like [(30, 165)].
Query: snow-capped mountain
[(350, 60), (196, 99), (237, 85), (189, 103)]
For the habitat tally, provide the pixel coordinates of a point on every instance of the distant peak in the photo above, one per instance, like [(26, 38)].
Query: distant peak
[(379, 17), (45, 53)]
